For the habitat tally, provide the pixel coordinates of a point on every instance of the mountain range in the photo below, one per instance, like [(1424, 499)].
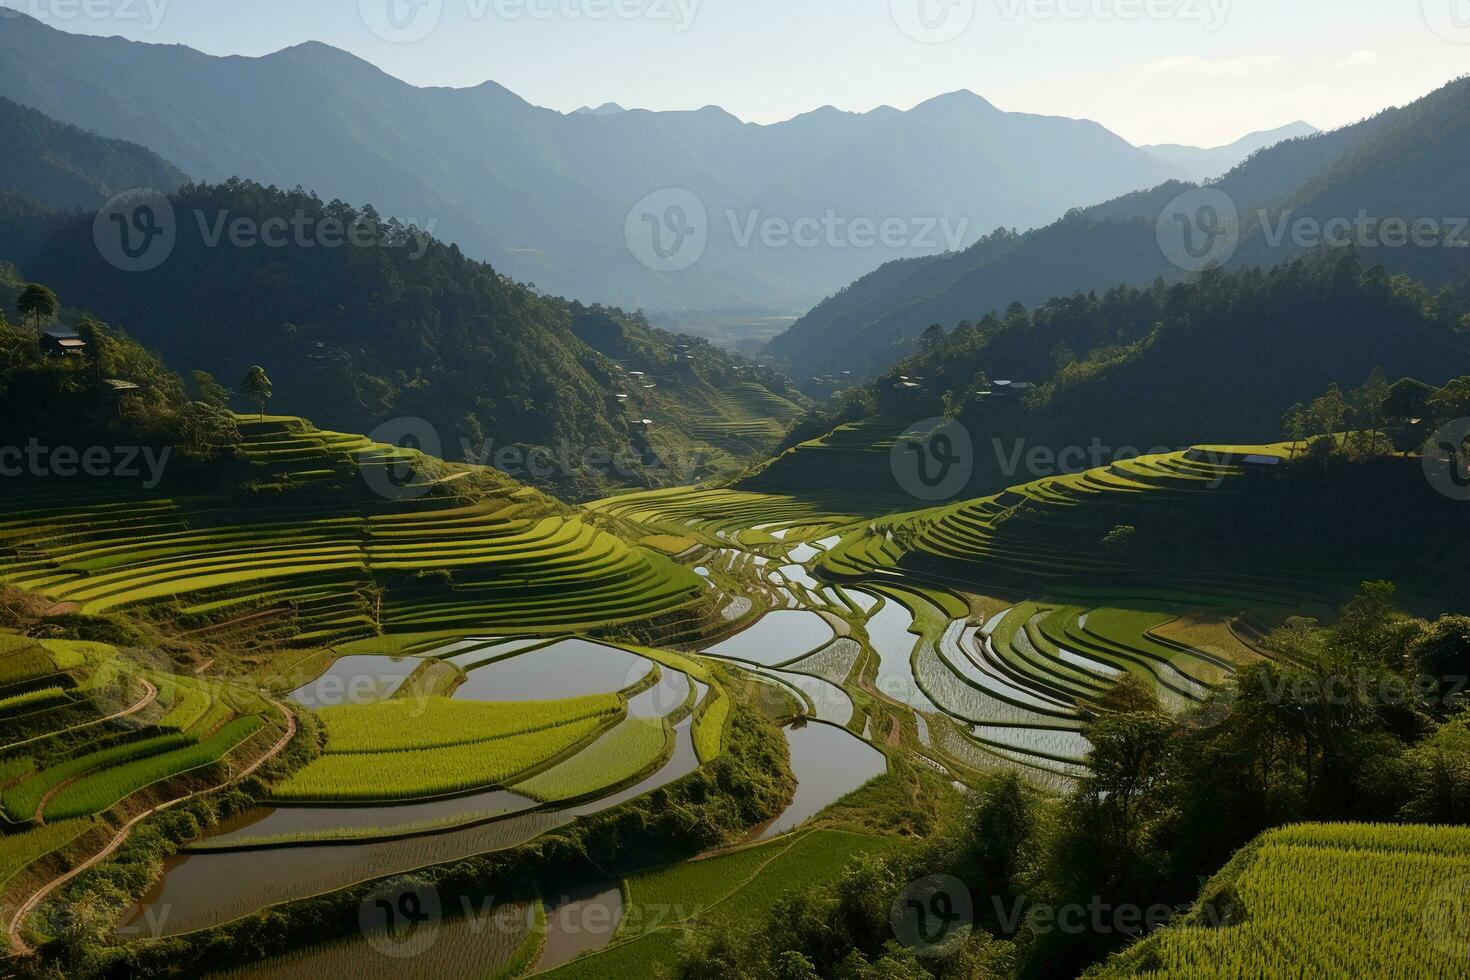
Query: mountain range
[(400, 328), (551, 197), (1201, 163), (1399, 164)]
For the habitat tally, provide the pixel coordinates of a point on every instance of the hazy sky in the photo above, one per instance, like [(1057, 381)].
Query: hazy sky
[(1188, 71)]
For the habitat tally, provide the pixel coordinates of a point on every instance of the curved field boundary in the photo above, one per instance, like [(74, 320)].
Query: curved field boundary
[(18, 945), (149, 696)]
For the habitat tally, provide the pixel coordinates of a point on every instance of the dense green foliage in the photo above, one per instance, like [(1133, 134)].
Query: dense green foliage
[(359, 321), (67, 400), (1217, 360)]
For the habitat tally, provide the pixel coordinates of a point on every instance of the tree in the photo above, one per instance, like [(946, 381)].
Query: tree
[(37, 304), (1368, 401), (257, 385), (208, 391), (1294, 425), (1001, 833), (1327, 412), (1442, 650), (932, 339), (1451, 402), (94, 336), (1406, 400), (1130, 742)]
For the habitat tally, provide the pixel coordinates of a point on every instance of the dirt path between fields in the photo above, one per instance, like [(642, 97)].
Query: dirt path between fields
[(149, 697), (18, 945)]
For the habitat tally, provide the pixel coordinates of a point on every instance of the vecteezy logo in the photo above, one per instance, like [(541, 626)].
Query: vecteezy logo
[(1445, 918), (1447, 460), (391, 473), (401, 21), (136, 231), (933, 21), (933, 916), (126, 682), (934, 459), (1450, 19), (668, 230), (1199, 228), (401, 919)]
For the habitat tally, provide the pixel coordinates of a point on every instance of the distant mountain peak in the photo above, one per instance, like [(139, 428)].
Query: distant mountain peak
[(958, 99), (606, 109), (1205, 163)]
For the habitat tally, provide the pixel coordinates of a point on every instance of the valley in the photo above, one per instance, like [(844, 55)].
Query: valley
[(445, 535), (552, 675)]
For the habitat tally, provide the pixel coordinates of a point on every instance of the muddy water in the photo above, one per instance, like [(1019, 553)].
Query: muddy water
[(580, 921), (829, 763), (777, 638), (363, 679), (280, 821), (202, 890), (888, 633), (569, 669)]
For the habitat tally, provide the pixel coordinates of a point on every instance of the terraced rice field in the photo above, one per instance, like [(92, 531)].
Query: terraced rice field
[(569, 745), (107, 730), (1027, 537), (206, 889), (715, 517), (740, 887), (484, 719), (436, 723), (1326, 900), (1016, 687), (418, 781), (313, 553), (494, 943), (635, 746)]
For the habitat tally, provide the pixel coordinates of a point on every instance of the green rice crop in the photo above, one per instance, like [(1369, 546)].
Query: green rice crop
[(17, 851), (374, 776), (1326, 900), (23, 663), (641, 957), (188, 706), (103, 788), (429, 723), (32, 700), (818, 856), (20, 801), (740, 887), (709, 726), (673, 894), (15, 766), (633, 746), (501, 943)]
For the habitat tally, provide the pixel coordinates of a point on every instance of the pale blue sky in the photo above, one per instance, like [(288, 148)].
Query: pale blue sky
[(1200, 71)]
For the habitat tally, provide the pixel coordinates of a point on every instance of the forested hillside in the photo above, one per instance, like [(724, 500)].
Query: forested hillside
[(66, 167), (1219, 360), (868, 325), (402, 325)]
